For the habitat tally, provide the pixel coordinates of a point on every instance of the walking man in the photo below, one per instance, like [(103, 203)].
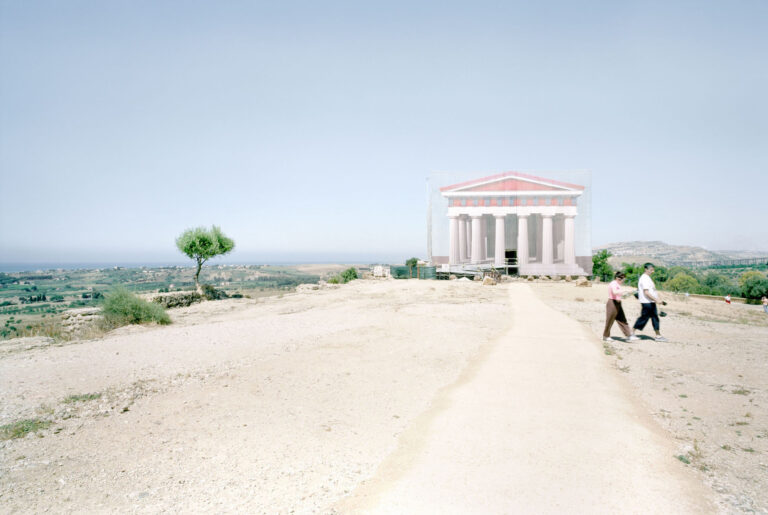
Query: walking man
[(648, 297)]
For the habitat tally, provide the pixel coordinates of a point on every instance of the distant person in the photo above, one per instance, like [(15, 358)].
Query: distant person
[(728, 298), (765, 303), (649, 298), (614, 311)]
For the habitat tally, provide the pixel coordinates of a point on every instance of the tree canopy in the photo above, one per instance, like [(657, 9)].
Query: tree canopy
[(202, 244), (753, 285)]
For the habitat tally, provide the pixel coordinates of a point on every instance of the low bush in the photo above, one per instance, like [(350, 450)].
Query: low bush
[(21, 428), (348, 274), (121, 307), (211, 293), (344, 277), (177, 299)]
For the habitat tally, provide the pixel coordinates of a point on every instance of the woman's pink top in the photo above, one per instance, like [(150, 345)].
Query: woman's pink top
[(614, 290)]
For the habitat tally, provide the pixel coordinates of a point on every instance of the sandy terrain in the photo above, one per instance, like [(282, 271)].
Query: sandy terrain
[(708, 386), (375, 396), (279, 405)]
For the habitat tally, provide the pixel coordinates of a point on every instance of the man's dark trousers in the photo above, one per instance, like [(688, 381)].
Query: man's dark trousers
[(649, 311)]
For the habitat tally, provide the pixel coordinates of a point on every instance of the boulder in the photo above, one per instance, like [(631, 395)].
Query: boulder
[(582, 281), (489, 281), (451, 277)]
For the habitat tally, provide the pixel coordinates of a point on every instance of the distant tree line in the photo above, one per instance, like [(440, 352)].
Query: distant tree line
[(280, 281), (751, 284), (33, 298), (10, 279)]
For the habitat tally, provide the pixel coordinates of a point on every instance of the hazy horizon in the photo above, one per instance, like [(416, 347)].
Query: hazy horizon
[(272, 259), (310, 129)]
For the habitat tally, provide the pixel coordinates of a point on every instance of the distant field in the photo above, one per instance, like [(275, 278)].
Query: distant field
[(28, 298)]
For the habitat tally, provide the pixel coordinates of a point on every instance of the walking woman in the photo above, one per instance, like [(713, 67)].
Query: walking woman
[(614, 311)]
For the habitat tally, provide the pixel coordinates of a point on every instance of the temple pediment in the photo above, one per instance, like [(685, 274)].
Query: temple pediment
[(511, 183)]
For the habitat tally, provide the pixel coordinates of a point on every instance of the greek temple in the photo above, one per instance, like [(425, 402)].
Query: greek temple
[(519, 222)]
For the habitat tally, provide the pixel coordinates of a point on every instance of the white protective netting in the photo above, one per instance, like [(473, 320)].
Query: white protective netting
[(529, 222)]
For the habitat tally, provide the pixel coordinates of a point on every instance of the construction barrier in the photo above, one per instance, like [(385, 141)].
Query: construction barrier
[(413, 272)]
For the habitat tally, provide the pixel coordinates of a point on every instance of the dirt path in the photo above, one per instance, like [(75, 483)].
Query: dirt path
[(707, 386), (538, 423)]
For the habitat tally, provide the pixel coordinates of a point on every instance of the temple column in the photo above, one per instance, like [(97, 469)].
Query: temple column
[(559, 236), (462, 224), (522, 239), (546, 240), (477, 244), (570, 241), (538, 231), (468, 224), (453, 227), (483, 238), (498, 258)]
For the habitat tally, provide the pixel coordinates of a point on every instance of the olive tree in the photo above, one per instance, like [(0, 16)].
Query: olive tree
[(202, 244)]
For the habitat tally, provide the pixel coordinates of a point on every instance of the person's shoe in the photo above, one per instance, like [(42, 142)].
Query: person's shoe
[(632, 338), (609, 339), (661, 339)]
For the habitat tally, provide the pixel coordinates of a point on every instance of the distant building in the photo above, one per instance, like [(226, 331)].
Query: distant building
[(515, 220)]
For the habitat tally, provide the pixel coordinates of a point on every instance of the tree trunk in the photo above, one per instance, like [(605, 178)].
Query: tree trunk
[(197, 278)]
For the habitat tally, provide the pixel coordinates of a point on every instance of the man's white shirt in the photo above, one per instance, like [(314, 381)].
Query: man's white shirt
[(645, 283)]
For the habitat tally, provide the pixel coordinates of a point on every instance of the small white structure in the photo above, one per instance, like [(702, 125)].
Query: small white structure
[(515, 220)]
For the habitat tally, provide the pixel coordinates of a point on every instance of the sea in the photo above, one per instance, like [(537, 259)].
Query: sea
[(44, 267), (85, 265)]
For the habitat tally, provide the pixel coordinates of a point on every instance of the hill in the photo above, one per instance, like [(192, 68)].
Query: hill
[(666, 254)]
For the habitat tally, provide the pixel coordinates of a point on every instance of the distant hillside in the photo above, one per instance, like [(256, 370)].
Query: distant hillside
[(667, 255)]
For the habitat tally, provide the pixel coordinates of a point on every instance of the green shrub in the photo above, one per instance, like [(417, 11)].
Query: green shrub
[(600, 266), (211, 293), (121, 307), (348, 274), (412, 262), (344, 277), (21, 428)]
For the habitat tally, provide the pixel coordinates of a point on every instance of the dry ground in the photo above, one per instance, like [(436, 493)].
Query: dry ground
[(290, 404), (708, 386), (278, 405)]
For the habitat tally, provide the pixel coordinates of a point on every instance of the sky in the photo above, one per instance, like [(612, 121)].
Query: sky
[(307, 130)]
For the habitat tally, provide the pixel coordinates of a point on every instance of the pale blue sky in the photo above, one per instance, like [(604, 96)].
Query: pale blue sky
[(309, 129)]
